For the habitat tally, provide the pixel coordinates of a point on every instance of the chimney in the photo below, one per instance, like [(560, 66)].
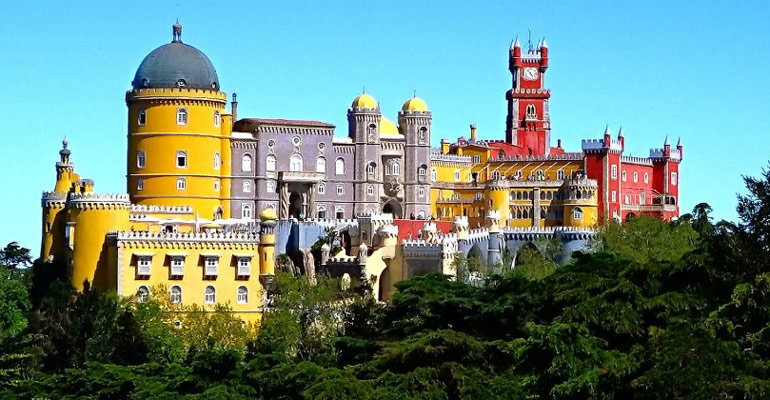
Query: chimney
[(558, 143), (473, 132), (234, 107)]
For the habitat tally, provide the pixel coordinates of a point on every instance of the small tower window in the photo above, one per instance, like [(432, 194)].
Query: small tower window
[(646, 177), (477, 159), (217, 118), (673, 179), (271, 186), (434, 175), (623, 176), (140, 159), (636, 177), (457, 176), (270, 162), (614, 172), (140, 184), (246, 163), (320, 164), (176, 294), (181, 159), (339, 166), (243, 295), (531, 112), (577, 214), (216, 185), (321, 211), (181, 116), (321, 188), (421, 172), (210, 295), (423, 134), (340, 190), (246, 211), (396, 168), (295, 163), (247, 186), (181, 184), (142, 117), (370, 190), (421, 191), (560, 174), (217, 161), (371, 169)]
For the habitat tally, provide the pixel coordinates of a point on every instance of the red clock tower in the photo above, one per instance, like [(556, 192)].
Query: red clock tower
[(528, 124)]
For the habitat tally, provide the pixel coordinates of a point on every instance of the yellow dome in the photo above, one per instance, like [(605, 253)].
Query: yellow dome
[(415, 104), (364, 101), (268, 214), (388, 128)]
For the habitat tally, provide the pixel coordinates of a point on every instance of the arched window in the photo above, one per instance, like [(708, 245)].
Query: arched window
[(434, 175), (269, 162), (217, 161), (320, 164), (181, 159), (176, 294), (370, 190), (246, 211), (623, 176), (246, 163), (636, 177), (423, 134), (181, 116), (140, 159), (646, 178), (243, 295), (247, 186), (371, 170), (531, 112), (295, 163), (579, 194), (539, 175), (321, 211), (210, 295), (421, 173), (270, 186), (321, 188), (217, 118), (396, 168), (496, 175), (181, 184), (140, 184), (339, 166), (142, 294), (560, 174), (142, 117), (577, 214)]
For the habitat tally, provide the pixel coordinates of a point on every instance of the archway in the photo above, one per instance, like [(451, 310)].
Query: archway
[(295, 206), (630, 216), (392, 207)]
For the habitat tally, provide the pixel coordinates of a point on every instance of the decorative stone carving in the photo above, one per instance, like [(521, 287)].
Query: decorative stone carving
[(392, 187)]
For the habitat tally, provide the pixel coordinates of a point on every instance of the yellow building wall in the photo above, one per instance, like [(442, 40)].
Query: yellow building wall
[(160, 137), (90, 254)]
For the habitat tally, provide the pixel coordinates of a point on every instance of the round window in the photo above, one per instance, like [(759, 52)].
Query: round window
[(296, 140), (270, 143), (321, 146)]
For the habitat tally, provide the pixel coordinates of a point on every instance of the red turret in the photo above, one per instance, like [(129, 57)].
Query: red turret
[(543, 56)]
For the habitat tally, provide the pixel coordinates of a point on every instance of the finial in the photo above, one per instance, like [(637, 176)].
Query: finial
[(64, 142), (235, 97), (679, 142), (176, 32), (414, 95), (607, 130), (620, 132), (545, 44), (364, 92), (529, 39), (516, 42), (667, 143)]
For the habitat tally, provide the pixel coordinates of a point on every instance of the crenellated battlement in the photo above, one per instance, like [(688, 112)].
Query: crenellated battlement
[(594, 145), (53, 199), (155, 209), (533, 233), (657, 154), (450, 158), (98, 200), (199, 237), (635, 160)]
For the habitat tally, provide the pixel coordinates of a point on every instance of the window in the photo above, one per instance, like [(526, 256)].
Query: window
[(142, 294), (396, 168), (321, 188), (477, 159), (246, 186), (271, 186), (320, 164), (614, 172), (496, 175), (143, 264), (339, 166), (210, 295), (370, 190), (518, 175), (216, 185), (457, 176), (421, 191), (623, 176), (673, 178), (140, 184), (646, 178), (340, 190), (421, 172), (340, 213), (176, 294), (246, 163), (181, 116), (614, 196), (539, 175), (577, 214), (244, 266), (531, 112), (177, 265), (371, 169), (560, 174), (636, 177), (211, 265), (295, 163), (246, 211), (642, 198), (423, 134), (321, 211), (217, 161), (181, 184), (142, 117), (243, 295), (434, 175), (181, 159), (140, 160), (217, 118), (627, 199)]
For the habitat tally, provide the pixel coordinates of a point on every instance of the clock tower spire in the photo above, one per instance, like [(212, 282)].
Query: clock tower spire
[(528, 124)]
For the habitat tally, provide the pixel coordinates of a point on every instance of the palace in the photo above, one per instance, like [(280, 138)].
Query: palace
[(212, 199)]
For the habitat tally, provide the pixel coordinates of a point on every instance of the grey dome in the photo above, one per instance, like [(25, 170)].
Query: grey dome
[(176, 65)]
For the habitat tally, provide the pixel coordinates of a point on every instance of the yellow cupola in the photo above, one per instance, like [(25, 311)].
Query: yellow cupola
[(268, 214), (364, 101), (415, 104)]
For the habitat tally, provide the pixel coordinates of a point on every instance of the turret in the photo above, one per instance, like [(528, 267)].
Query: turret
[(543, 55), (679, 147), (414, 122), (267, 223), (364, 127)]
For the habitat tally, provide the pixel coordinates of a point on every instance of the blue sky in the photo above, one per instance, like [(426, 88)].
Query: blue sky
[(695, 70)]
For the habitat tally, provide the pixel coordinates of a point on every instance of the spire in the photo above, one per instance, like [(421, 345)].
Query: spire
[(607, 130), (64, 153), (667, 143), (516, 42), (679, 142), (176, 32), (364, 90), (620, 132), (545, 44)]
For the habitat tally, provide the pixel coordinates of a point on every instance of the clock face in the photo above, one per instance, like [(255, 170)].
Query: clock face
[(530, 73)]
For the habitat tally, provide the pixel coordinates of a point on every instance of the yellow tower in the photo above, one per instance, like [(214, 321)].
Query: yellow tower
[(267, 244), (178, 131), (580, 203), (53, 203)]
